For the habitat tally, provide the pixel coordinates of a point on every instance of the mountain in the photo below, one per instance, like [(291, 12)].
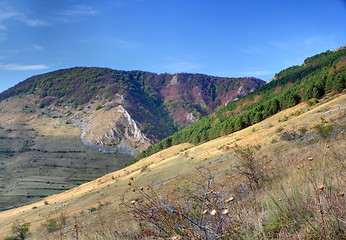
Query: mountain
[(51, 124), (126, 111), (317, 76)]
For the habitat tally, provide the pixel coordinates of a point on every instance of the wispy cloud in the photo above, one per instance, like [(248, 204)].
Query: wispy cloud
[(311, 41), (73, 13), (6, 15), (3, 36), (79, 10), (27, 49), (180, 66), (264, 74), (35, 22), (35, 47), (303, 42), (121, 43), (20, 67)]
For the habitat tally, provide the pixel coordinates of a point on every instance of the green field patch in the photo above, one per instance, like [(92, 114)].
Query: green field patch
[(39, 192)]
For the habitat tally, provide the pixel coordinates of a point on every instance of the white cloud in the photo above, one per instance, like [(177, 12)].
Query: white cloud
[(20, 67), (35, 22), (73, 13), (35, 47), (6, 15), (79, 10)]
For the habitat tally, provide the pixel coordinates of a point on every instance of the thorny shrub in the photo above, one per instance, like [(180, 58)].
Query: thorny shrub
[(207, 213), (251, 166)]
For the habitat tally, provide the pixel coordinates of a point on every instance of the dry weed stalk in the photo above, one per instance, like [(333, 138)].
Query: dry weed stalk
[(207, 213)]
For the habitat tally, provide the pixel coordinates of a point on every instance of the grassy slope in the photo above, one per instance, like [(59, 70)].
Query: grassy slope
[(41, 156), (176, 167)]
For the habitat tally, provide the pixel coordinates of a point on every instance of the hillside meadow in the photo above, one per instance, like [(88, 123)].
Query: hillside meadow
[(300, 164)]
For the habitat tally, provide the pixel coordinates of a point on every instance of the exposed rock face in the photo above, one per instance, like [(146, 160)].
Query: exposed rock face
[(188, 97), (113, 130), (339, 48)]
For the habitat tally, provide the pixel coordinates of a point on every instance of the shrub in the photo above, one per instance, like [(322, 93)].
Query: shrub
[(289, 136), (312, 101), (20, 231), (98, 107), (204, 213), (41, 105), (324, 129), (51, 225), (11, 238), (250, 165), (279, 129)]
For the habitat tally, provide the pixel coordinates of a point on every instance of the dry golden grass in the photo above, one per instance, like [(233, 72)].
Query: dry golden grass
[(176, 167)]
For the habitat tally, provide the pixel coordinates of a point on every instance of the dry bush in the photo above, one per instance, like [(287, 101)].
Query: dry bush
[(251, 166), (207, 212)]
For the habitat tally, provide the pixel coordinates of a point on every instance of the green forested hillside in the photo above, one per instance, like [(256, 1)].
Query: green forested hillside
[(320, 74)]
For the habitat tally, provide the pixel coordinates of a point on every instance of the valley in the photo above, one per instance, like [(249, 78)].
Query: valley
[(286, 160)]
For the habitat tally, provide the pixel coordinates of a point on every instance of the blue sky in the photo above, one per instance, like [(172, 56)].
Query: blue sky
[(217, 37)]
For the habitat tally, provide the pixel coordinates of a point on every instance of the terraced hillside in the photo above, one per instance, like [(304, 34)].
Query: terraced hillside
[(41, 156)]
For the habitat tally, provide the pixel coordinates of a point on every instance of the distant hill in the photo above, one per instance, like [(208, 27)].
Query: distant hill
[(158, 104), (317, 76)]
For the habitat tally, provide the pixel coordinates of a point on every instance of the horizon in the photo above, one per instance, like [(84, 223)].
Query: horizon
[(228, 39)]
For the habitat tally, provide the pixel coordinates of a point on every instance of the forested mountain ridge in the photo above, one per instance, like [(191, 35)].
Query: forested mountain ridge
[(156, 105), (317, 76)]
